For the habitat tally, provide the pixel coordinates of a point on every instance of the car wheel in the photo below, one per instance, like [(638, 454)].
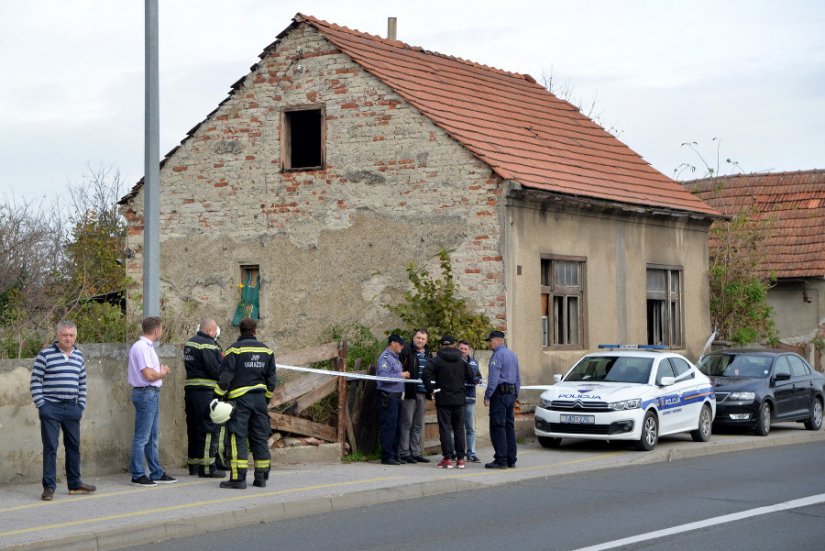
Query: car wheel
[(547, 442), (650, 432), (763, 420), (702, 432), (815, 421)]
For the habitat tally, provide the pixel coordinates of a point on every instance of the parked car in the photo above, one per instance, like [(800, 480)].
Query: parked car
[(757, 387), (635, 395)]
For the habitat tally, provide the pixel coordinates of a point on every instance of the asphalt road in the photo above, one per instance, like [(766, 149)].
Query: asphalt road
[(589, 509)]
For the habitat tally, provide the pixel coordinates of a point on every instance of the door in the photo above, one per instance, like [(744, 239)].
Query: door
[(784, 391), (802, 384)]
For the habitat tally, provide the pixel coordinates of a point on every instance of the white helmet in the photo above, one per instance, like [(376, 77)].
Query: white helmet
[(220, 412)]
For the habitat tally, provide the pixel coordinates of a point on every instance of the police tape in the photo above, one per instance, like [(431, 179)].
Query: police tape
[(348, 375)]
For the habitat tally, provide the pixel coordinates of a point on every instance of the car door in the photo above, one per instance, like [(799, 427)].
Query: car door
[(688, 415), (783, 388), (803, 385)]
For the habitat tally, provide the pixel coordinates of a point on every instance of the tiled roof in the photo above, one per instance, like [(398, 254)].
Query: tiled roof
[(517, 127), (794, 205), (522, 131)]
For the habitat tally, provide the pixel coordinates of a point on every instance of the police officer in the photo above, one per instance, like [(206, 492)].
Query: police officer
[(389, 399), (247, 379), (503, 384), (202, 358)]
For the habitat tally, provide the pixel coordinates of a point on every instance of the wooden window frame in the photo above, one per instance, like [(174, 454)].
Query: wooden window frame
[(548, 292), (669, 298), (286, 137)]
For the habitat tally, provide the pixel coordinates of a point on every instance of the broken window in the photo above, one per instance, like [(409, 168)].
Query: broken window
[(664, 306), (562, 302), (250, 288), (303, 139)]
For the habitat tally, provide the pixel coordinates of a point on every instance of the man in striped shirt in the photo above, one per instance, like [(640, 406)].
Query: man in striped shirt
[(58, 388)]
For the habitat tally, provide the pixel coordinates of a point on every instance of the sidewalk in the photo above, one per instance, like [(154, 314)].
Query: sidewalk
[(120, 515)]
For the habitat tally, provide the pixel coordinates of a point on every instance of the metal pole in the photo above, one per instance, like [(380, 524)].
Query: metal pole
[(151, 168)]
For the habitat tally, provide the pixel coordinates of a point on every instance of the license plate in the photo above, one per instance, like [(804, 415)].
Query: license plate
[(578, 419)]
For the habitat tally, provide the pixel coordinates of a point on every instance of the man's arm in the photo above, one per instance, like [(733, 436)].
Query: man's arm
[(81, 386), (36, 383)]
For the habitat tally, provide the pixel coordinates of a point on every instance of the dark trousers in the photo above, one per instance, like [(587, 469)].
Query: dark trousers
[(389, 417), (204, 436), (503, 427), (451, 431), (250, 419), (55, 416)]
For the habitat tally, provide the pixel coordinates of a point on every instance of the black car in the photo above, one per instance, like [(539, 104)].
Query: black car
[(757, 387)]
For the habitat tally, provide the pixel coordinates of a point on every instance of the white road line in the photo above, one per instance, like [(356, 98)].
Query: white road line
[(733, 517)]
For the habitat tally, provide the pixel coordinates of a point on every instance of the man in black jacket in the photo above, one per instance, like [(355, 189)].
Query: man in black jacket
[(202, 358), (414, 359), (445, 377), (247, 378)]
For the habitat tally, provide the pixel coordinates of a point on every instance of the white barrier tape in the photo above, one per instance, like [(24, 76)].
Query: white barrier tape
[(348, 375)]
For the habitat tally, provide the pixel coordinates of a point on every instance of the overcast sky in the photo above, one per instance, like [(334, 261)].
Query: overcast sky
[(751, 73)]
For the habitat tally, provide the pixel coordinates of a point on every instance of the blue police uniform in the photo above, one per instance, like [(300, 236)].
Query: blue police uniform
[(389, 405), (503, 385)]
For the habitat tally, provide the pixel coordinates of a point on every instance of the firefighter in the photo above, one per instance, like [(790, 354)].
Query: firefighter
[(202, 357), (247, 379)]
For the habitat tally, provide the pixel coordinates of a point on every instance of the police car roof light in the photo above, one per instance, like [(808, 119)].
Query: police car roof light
[(632, 347)]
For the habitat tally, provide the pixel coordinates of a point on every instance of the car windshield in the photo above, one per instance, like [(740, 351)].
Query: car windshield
[(618, 369), (736, 365)]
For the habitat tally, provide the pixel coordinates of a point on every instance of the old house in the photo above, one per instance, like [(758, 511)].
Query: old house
[(342, 156), (792, 207)]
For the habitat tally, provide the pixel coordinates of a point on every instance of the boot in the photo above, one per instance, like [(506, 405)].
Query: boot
[(260, 479), (193, 469), (211, 472), (234, 484)]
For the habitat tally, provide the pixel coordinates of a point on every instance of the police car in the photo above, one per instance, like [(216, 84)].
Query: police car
[(627, 393)]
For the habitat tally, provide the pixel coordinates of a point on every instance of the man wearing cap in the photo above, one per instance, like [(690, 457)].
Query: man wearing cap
[(389, 399), (503, 385), (445, 377)]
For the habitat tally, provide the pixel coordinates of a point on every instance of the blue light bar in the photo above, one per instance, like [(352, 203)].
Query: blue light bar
[(633, 346)]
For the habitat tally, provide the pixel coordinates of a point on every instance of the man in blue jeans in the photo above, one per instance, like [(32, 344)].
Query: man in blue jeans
[(146, 375), (470, 401), (58, 389)]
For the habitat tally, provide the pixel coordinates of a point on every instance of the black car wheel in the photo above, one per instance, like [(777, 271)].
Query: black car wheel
[(763, 421), (650, 433), (815, 421), (702, 433), (547, 442)]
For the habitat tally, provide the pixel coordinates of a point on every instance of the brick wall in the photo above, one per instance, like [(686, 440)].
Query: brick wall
[(332, 244)]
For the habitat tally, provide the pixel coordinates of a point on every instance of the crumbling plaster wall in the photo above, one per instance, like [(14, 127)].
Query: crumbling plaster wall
[(332, 244)]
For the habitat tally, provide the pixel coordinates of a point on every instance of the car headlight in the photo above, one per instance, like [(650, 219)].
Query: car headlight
[(625, 404), (544, 403), (742, 396)]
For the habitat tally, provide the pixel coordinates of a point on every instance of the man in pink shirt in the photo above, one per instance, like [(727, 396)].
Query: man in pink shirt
[(146, 375)]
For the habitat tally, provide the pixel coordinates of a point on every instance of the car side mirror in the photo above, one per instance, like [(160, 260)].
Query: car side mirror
[(782, 377), (667, 381), (557, 377)]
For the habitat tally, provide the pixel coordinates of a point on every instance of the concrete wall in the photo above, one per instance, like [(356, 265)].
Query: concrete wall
[(107, 426), (332, 244), (798, 322), (618, 248)]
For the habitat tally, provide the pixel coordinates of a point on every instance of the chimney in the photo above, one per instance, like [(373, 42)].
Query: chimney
[(392, 26)]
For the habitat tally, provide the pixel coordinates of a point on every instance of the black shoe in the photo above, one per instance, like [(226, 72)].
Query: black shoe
[(166, 479), (408, 459), (144, 482), (390, 462), (494, 465), (511, 465), (193, 470), (259, 483), (419, 459), (234, 484), (474, 459), (48, 494), (211, 474)]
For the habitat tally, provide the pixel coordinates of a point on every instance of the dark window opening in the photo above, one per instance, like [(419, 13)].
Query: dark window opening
[(303, 139)]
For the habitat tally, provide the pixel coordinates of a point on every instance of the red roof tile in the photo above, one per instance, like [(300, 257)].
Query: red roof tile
[(514, 125), (794, 205), (521, 130)]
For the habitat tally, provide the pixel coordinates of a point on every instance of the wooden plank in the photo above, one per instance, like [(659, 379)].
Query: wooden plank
[(307, 356), (298, 387), (286, 423), (318, 393), (341, 364), (350, 431)]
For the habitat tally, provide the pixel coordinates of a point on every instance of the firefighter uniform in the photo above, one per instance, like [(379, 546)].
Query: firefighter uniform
[(202, 357), (247, 379)]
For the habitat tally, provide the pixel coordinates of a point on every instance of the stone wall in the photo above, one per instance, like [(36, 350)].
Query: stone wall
[(107, 426), (332, 244)]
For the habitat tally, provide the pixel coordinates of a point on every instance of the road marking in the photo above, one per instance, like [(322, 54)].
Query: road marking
[(698, 525), (132, 514)]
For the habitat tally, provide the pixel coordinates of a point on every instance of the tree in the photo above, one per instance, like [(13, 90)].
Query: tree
[(434, 304), (739, 310)]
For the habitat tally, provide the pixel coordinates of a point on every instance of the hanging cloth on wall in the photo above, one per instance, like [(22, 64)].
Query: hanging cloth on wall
[(248, 307)]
